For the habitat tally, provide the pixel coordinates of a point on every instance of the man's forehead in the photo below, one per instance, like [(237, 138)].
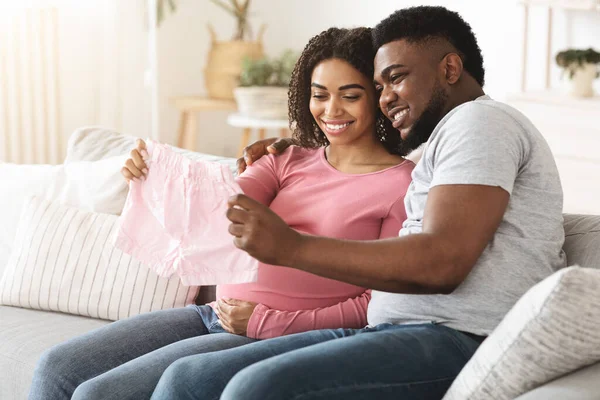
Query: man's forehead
[(406, 52)]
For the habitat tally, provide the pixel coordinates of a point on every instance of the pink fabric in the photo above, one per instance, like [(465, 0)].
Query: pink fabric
[(174, 221), (315, 198)]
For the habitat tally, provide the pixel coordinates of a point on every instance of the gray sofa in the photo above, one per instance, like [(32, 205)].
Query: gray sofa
[(25, 333)]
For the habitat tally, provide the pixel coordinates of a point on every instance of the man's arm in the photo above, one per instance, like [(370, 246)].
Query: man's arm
[(460, 222)]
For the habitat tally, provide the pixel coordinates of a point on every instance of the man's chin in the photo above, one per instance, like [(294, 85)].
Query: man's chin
[(404, 133)]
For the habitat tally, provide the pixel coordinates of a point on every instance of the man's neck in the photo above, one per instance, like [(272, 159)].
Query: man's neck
[(469, 91)]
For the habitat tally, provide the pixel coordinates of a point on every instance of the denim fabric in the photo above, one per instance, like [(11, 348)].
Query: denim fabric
[(382, 362), (124, 360)]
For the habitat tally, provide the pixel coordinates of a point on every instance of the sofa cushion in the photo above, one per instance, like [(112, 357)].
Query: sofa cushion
[(24, 336), (92, 186), (553, 329), (583, 384), (63, 260), (582, 240), (95, 143)]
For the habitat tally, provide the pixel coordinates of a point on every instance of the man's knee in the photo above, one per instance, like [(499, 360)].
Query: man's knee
[(179, 379), (263, 380), (91, 390)]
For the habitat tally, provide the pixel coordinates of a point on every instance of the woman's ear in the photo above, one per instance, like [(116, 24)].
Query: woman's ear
[(453, 68)]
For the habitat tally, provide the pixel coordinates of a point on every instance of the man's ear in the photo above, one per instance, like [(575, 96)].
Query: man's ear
[(453, 68)]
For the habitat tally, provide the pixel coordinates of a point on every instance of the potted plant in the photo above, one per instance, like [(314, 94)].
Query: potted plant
[(263, 86), (224, 62), (582, 67)]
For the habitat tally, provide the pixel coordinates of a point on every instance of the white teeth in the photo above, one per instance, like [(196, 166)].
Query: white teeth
[(400, 114), (336, 127)]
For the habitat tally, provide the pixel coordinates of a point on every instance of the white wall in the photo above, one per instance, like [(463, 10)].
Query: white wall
[(103, 47), (103, 56), (184, 43)]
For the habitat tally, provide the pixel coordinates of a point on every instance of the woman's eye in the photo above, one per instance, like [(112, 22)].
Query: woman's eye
[(319, 96), (351, 98)]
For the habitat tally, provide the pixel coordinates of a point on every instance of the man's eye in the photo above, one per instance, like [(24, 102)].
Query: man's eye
[(396, 78), (378, 89)]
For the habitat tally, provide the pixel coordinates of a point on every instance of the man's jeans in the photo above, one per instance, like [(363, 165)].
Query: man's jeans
[(125, 359), (383, 362)]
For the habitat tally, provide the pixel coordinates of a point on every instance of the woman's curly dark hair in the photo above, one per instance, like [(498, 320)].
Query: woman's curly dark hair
[(356, 48)]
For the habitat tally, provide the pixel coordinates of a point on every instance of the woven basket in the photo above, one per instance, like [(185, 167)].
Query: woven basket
[(262, 101), (224, 64)]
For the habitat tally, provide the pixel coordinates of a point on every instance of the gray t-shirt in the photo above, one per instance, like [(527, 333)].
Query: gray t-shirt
[(484, 142)]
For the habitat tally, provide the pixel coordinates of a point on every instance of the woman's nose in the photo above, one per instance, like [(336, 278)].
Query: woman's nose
[(333, 108)]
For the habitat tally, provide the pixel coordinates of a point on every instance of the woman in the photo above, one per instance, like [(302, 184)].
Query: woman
[(346, 178)]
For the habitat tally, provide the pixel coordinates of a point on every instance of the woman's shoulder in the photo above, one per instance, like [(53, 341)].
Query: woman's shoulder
[(296, 153)]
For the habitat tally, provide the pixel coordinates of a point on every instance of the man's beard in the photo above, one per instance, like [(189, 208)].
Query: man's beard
[(423, 127)]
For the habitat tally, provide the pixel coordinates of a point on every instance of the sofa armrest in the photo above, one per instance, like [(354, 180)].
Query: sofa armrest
[(583, 384)]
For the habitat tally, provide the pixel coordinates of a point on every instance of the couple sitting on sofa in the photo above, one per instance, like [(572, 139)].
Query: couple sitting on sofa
[(470, 244)]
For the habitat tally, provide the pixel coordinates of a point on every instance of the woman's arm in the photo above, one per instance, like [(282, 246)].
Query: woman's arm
[(267, 323)]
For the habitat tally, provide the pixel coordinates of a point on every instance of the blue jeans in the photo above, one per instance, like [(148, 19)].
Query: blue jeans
[(125, 359), (384, 362)]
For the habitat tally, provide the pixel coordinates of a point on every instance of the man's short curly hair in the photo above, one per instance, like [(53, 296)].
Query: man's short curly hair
[(356, 48), (419, 24)]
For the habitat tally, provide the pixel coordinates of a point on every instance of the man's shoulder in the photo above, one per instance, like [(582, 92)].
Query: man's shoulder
[(485, 109), (485, 118)]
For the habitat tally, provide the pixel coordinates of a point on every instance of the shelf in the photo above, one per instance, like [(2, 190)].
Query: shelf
[(585, 5), (558, 98)]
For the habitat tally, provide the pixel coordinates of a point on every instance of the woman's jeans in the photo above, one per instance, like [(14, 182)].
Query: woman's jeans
[(384, 362), (125, 359)]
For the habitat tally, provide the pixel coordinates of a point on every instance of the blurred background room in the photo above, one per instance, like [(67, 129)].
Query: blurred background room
[(170, 70)]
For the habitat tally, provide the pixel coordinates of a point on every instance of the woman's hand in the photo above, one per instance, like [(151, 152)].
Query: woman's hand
[(235, 314), (135, 168), (261, 148)]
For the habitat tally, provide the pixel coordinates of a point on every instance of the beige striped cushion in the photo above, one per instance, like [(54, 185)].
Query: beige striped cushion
[(63, 261)]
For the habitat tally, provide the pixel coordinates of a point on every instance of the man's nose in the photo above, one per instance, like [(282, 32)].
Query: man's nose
[(386, 97)]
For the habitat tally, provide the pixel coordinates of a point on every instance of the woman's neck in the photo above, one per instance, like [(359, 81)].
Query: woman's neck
[(359, 157)]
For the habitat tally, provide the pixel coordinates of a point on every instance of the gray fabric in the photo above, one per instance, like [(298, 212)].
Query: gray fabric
[(24, 336), (583, 384), (484, 142), (582, 240)]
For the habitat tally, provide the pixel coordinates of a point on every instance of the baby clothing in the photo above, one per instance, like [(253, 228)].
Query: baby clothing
[(175, 222)]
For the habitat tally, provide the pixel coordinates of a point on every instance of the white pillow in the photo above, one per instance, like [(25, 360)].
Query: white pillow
[(93, 143), (63, 261), (16, 183), (552, 330), (92, 186)]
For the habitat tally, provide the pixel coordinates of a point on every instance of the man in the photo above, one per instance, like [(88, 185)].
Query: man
[(484, 225)]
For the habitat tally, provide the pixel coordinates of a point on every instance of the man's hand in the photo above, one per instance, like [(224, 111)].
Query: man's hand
[(261, 148), (234, 315), (260, 232)]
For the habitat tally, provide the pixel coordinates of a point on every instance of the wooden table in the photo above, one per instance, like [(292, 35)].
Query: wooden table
[(261, 124), (189, 107)]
